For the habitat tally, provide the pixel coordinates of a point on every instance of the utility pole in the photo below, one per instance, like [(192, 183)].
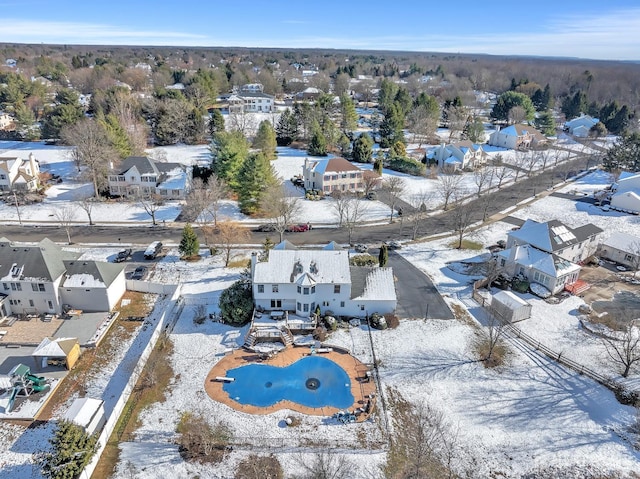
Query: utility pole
[(15, 198)]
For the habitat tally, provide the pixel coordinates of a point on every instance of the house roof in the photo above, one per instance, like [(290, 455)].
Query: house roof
[(328, 165), (91, 274), (623, 242), (553, 235), (42, 262), (289, 266), (372, 284)]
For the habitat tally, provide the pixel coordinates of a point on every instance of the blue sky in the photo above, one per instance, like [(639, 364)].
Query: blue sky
[(601, 29)]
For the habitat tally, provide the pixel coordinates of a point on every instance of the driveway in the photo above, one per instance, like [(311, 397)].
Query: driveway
[(417, 296)]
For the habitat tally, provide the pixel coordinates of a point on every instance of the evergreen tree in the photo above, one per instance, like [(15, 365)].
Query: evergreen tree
[(391, 127), (363, 148), (546, 123), (318, 143), (229, 150), (287, 128), (265, 140), (189, 244), (216, 122), (72, 449), (383, 256), (348, 114), (509, 100), (624, 155), (255, 175)]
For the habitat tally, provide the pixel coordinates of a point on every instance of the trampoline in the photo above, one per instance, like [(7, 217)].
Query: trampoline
[(312, 381)]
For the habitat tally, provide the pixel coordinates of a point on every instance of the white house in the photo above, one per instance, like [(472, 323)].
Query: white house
[(548, 253), (459, 156), (299, 280), (627, 192), (516, 137), (19, 175), (32, 280), (622, 248), (143, 175), (332, 174), (581, 125)]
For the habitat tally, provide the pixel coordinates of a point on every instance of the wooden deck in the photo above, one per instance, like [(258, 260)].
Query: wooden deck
[(354, 368)]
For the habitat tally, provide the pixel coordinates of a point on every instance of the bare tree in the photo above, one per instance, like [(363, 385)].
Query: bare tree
[(353, 215), (64, 215), (227, 235), (482, 178), (624, 350), (502, 173), (394, 187), (280, 208), (448, 184), (150, 202), (91, 149)]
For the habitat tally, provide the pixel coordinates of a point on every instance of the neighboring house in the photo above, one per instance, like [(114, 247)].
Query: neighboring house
[(19, 175), (250, 102), (40, 279), (548, 253), (459, 156), (332, 174), (516, 137), (581, 125), (622, 248), (143, 175), (299, 280), (6, 120), (627, 192)]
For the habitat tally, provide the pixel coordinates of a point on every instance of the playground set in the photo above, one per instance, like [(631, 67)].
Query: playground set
[(21, 383)]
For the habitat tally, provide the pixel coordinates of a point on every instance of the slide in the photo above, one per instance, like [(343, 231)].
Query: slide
[(37, 381)]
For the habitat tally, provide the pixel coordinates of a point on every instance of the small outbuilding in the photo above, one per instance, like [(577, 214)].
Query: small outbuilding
[(87, 413), (510, 307), (57, 352)]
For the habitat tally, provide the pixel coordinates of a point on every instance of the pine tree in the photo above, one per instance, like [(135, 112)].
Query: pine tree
[(363, 148), (383, 256), (265, 140), (189, 245), (72, 449)]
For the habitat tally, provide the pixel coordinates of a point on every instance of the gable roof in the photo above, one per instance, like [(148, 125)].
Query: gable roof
[(553, 235), (289, 266), (90, 274), (42, 262), (327, 165)]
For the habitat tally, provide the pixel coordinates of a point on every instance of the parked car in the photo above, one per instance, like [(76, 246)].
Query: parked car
[(139, 272), (153, 250), (299, 228), (122, 255), (361, 248), (266, 227)]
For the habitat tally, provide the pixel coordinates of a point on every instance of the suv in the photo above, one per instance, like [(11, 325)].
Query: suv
[(152, 250)]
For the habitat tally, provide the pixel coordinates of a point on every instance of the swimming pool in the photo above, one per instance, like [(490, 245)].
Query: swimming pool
[(312, 381)]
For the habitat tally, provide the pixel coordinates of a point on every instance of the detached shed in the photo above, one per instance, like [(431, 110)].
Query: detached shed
[(54, 352), (510, 307), (87, 413)]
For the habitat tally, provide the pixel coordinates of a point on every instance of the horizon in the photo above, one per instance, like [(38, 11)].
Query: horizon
[(549, 30)]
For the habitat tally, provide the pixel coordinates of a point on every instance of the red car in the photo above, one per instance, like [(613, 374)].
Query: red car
[(299, 228)]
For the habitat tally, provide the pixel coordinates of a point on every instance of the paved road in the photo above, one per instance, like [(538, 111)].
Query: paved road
[(417, 296), (372, 235)]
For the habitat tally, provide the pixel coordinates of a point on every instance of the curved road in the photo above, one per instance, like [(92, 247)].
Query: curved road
[(373, 234)]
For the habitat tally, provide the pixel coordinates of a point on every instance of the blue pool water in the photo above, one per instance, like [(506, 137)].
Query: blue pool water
[(312, 381)]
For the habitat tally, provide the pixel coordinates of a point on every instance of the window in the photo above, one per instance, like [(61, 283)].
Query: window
[(306, 291), (336, 289), (342, 304), (261, 288), (274, 288)]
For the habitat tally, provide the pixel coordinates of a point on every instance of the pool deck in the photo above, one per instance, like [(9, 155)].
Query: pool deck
[(360, 387)]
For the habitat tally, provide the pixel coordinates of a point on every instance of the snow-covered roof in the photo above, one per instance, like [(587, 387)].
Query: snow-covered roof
[(287, 266), (623, 242)]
